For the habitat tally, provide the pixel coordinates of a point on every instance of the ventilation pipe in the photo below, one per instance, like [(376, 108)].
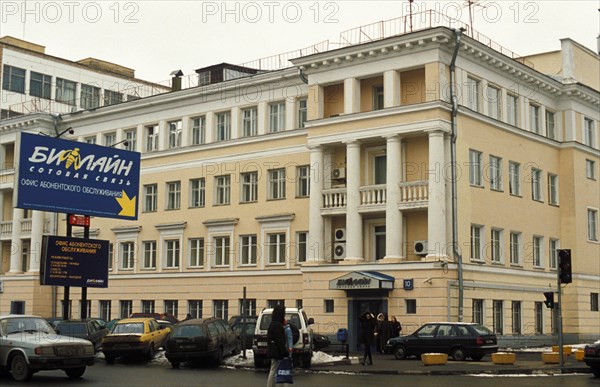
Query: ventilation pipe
[(176, 80)]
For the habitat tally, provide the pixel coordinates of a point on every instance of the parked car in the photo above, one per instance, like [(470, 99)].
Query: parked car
[(198, 339), (134, 336), (156, 316), (301, 331), (320, 341), (54, 320), (112, 323), (591, 356), (103, 323), (459, 340), (29, 344), (236, 324), (88, 329)]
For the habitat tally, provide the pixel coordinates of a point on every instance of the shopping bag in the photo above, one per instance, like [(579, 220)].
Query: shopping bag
[(284, 371)]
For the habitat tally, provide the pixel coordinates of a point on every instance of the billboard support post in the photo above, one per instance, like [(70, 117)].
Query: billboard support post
[(66, 300), (84, 301)]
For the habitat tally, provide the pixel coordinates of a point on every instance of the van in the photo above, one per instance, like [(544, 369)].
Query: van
[(302, 334)]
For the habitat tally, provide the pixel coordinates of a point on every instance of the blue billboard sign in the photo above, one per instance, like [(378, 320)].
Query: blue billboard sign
[(59, 175), (76, 262)]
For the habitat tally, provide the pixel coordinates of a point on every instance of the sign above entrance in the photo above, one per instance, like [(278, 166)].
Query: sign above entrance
[(358, 280)]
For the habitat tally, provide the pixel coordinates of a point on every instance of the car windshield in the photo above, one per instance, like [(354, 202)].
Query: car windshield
[(128, 328), (188, 331), (25, 324), (71, 328), (291, 318), (481, 330)]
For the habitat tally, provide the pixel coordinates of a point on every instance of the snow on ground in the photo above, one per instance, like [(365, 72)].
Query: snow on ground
[(545, 349)]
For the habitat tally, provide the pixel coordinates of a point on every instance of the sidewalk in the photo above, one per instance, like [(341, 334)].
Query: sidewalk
[(527, 363)]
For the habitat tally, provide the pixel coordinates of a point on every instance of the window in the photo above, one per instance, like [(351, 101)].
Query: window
[(512, 108), (25, 255), (88, 308), (112, 97), (204, 78), (90, 97), (90, 140), (221, 309), (197, 192), (534, 118), (472, 89), (40, 85), (249, 189), (550, 125), (498, 317), (301, 246), (150, 197), (274, 303), (277, 184), (110, 139), (475, 168), (302, 112), (536, 184), (149, 254), (249, 122), (552, 189), (515, 248), (105, 310), (249, 248), (379, 238), (248, 308), (127, 255), (592, 221), (478, 311), (496, 245), (493, 100), (539, 317), (553, 247), (594, 302), (199, 130), (222, 250), (125, 308), (588, 132), (516, 317), (411, 306), (196, 252), (65, 91), (303, 181), (514, 178), (276, 117), (476, 232), (377, 97), (151, 138), (380, 163), (63, 304), (172, 250), (171, 307), (496, 173), (13, 79), (147, 306), (173, 195), (222, 190), (131, 138), (276, 248), (590, 169), (299, 304), (537, 251), (175, 129), (195, 308), (329, 306), (223, 126)]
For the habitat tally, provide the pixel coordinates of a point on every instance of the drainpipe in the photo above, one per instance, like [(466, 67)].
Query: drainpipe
[(457, 253)]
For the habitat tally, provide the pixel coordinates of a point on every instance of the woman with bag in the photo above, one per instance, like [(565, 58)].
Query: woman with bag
[(277, 340)]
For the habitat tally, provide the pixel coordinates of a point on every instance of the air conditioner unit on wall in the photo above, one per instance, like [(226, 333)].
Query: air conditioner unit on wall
[(339, 234), (338, 173), (420, 248), (339, 250)]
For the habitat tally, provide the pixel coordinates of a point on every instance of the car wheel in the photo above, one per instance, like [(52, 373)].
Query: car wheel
[(306, 360), (75, 373), (151, 352), (458, 354), (175, 363), (259, 361), (477, 357), (20, 369), (400, 352)]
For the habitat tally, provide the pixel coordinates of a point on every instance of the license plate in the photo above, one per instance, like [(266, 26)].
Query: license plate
[(261, 344)]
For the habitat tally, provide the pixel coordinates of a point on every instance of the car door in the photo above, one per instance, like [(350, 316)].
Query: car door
[(445, 338), (423, 342), (93, 329)]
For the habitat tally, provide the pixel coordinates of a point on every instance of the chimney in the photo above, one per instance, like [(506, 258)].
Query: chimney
[(176, 80)]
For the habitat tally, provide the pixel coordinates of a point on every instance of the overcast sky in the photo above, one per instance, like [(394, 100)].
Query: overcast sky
[(157, 37)]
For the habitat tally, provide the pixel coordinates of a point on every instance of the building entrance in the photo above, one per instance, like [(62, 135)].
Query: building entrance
[(356, 308)]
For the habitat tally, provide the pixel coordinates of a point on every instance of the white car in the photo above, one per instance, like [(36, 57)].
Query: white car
[(29, 344)]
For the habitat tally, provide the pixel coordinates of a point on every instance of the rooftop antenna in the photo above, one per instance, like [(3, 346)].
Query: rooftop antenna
[(410, 12), (471, 4)]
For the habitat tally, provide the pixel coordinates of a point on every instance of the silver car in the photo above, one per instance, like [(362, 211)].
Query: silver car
[(29, 344)]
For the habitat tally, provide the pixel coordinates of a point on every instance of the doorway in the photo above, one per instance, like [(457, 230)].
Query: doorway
[(356, 308)]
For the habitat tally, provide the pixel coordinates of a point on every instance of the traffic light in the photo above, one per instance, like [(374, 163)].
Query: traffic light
[(549, 299), (564, 264)]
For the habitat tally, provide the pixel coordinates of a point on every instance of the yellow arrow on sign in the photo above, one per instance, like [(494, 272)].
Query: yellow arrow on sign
[(127, 205)]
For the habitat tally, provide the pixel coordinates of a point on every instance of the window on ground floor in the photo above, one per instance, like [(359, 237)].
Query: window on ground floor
[(195, 308), (498, 317), (478, 311), (411, 306), (516, 317), (125, 308)]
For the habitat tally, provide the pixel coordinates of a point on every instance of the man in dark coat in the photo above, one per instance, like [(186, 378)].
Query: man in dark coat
[(277, 342), (367, 330)]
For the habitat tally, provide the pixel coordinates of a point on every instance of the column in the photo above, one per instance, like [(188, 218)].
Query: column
[(354, 228), (235, 123), (186, 130), (261, 117), (291, 122), (315, 102), (393, 217), (15, 246), (163, 135), (436, 214), (316, 241), (35, 249), (351, 95), (391, 89), (209, 127), (140, 139)]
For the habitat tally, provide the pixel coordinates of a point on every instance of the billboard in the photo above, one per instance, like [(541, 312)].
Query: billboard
[(77, 262), (59, 175)]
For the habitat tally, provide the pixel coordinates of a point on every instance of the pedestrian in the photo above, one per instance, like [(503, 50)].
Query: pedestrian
[(367, 331), (396, 327), (289, 336), (277, 341), (383, 331)]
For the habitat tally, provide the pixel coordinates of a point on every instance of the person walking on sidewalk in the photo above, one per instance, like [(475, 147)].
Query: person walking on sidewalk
[(277, 341), (396, 327), (367, 331)]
